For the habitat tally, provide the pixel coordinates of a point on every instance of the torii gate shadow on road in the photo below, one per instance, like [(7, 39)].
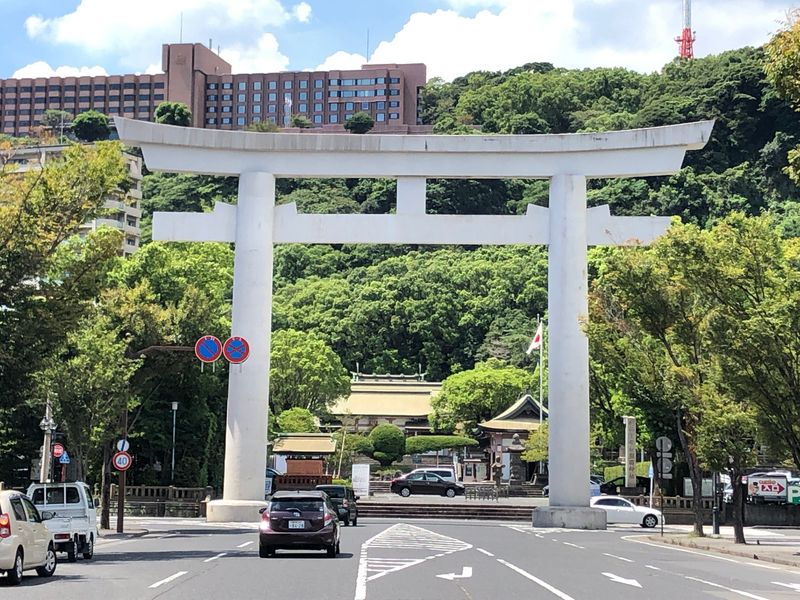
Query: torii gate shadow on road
[(255, 224)]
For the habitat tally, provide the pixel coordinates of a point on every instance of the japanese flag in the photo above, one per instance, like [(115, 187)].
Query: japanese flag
[(536, 342)]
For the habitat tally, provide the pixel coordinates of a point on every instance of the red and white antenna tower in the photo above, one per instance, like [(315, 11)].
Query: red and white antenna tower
[(686, 39)]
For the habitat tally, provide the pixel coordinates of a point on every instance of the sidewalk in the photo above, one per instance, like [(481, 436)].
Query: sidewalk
[(768, 546)]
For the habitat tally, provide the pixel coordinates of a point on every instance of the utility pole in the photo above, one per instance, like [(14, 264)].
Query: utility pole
[(121, 489), (48, 425), (174, 414)]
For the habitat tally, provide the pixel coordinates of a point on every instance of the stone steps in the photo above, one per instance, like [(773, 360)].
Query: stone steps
[(402, 510)]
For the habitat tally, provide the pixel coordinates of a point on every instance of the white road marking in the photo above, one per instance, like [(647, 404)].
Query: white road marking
[(652, 567), (622, 580), (245, 544), (482, 551), (220, 555), (361, 577), (617, 557), (722, 587), (536, 580), (574, 545), (168, 579), (791, 586), (466, 572)]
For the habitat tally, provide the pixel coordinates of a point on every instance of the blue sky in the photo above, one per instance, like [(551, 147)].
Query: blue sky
[(453, 37)]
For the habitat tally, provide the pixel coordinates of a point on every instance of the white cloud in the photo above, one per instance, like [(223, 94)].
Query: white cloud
[(571, 33), (154, 69), (111, 27), (261, 58), (302, 12), (342, 61), (42, 69)]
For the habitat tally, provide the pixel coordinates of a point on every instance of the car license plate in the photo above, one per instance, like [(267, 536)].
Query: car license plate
[(297, 524)]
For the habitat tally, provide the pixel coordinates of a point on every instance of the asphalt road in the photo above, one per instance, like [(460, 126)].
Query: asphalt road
[(415, 560)]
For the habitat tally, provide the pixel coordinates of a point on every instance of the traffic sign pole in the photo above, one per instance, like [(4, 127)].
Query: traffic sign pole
[(121, 489)]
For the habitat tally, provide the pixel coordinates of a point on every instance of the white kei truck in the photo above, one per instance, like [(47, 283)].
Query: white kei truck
[(74, 517)]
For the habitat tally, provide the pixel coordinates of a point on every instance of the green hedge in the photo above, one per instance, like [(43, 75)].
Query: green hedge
[(642, 469), (429, 443)]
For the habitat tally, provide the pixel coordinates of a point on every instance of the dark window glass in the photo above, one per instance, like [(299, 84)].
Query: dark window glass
[(211, 120), (19, 512), (115, 86), (25, 89), (226, 120), (211, 86), (317, 118), (303, 96), (129, 97), (158, 96), (85, 87), (142, 86), (394, 115), (226, 96), (128, 109), (113, 98), (128, 86), (99, 87), (54, 88), (86, 99), (212, 98), (159, 85), (240, 120), (99, 99)]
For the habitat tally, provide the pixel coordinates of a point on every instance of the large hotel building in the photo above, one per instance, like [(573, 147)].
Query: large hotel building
[(197, 76)]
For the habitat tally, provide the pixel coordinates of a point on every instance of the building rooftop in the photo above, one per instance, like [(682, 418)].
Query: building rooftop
[(304, 443), (523, 415), (388, 399)]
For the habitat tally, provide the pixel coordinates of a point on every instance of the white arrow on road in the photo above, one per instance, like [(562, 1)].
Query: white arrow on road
[(618, 579), (465, 572), (791, 586)]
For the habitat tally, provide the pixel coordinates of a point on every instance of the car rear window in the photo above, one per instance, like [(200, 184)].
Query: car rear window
[(301, 504), (55, 495), (334, 492)]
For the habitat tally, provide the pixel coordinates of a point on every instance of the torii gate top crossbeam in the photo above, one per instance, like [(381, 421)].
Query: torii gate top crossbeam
[(630, 153)]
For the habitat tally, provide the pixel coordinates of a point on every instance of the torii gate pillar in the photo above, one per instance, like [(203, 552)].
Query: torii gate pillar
[(255, 224)]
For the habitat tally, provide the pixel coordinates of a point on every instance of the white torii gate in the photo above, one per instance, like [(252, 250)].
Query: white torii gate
[(255, 224)]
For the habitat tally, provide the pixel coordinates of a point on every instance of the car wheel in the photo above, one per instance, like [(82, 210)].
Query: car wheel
[(450, 493), (265, 551), (72, 550), (405, 492), (49, 566), (88, 548), (650, 521), (14, 575), (331, 551)]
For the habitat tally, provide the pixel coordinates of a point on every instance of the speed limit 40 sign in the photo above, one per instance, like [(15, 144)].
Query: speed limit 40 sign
[(122, 461)]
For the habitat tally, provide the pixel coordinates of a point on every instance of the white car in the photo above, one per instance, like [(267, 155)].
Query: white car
[(73, 516), (25, 542), (446, 473), (594, 489), (620, 510)]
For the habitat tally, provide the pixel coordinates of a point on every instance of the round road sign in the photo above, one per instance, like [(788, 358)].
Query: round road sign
[(122, 461), (663, 444), (123, 445), (58, 450), (208, 349), (236, 350)]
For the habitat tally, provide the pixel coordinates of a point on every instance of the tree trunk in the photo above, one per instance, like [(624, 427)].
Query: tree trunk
[(738, 504), (695, 474), (105, 490)]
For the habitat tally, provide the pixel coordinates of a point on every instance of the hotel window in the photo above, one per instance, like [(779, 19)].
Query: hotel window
[(113, 86), (347, 82), (394, 80), (128, 109), (211, 109), (159, 85), (287, 97), (348, 106), (287, 85), (271, 108), (317, 106), (256, 85), (272, 119), (318, 119), (394, 115), (257, 108), (54, 88), (125, 86), (317, 95), (394, 103), (126, 97), (302, 96), (365, 106), (88, 99), (380, 105), (256, 97), (348, 116), (241, 97), (226, 120), (159, 96), (272, 97), (256, 119), (67, 88), (211, 86), (113, 98), (113, 109), (380, 80), (273, 85), (380, 117), (240, 120), (333, 94), (303, 84), (394, 92), (227, 85), (101, 99), (142, 86), (145, 97), (242, 85), (318, 83), (212, 98), (26, 89), (333, 106), (241, 109), (302, 107), (226, 97), (86, 87), (333, 119), (365, 82), (348, 93), (226, 109)]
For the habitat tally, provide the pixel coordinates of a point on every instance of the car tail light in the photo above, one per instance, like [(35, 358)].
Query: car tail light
[(61, 536), (328, 519), (5, 526), (265, 522)]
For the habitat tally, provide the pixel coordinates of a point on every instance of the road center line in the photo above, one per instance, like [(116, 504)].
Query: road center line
[(245, 544), (722, 587), (617, 557), (574, 545), (168, 579), (482, 551), (652, 567), (220, 555), (536, 580)]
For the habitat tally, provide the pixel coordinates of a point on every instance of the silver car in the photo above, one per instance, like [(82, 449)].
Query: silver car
[(25, 541)]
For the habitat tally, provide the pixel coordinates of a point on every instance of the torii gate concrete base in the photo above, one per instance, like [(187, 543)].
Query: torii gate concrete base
[(255, 224)]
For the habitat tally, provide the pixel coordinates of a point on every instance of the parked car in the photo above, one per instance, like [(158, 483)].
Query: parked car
[(594, 489), (74, 517), (613, 486), (446, 473), (25, 541), (270, 480), (301, 520), (345, 501), (423, 482), (620, 510)]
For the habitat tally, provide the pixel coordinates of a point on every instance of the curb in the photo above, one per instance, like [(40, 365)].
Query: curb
[(689, 543), (123, 536)]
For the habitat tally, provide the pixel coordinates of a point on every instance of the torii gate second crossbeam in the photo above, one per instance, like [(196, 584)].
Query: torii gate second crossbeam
[(255, 224)]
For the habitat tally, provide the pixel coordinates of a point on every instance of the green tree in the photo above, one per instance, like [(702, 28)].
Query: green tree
[(479, 394), (91, 126), (537, 447), (360, 122), (420, 444), (265, 126), (301, 121), (58, 121), (297, 420), (387, 444), (173, 113), (305, 373)]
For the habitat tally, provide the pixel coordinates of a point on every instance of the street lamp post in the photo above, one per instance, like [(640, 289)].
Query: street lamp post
[(48, 426), (174, 413)]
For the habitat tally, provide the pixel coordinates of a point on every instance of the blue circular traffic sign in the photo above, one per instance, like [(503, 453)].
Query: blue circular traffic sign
[(236, 350), (208, 349)]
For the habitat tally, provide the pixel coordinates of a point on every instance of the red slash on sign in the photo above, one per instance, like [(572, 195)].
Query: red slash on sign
[(236, 350)]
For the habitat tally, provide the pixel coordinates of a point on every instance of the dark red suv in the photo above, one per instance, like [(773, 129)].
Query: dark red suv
[(301, 520)]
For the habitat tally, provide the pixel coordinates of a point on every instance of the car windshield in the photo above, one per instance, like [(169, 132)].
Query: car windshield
[(303, 505)]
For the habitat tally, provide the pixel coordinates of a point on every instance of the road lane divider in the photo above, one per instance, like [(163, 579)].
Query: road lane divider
[(622, 558), (553, 590), (245, 544), (482, 551), (726, 588), (168, 579), (574, 545), (220, 555)]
